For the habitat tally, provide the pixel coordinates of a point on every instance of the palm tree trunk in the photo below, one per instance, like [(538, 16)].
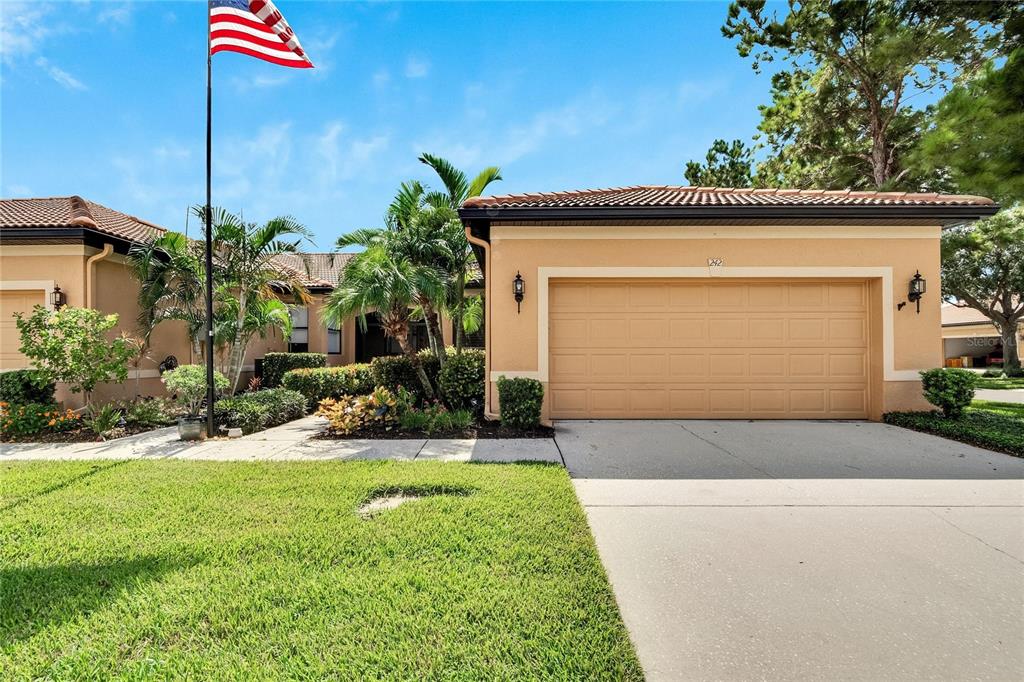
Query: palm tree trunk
[(460, 308), (402, 336)]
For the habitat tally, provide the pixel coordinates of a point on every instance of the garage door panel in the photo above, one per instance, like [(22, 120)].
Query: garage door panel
[(698, 348), (12, 302)]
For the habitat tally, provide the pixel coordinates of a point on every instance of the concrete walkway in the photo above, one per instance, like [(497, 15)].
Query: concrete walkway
[(289, 442), (806, 550)]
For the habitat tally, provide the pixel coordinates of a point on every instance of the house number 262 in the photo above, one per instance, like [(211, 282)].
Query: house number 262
[(714, 262)]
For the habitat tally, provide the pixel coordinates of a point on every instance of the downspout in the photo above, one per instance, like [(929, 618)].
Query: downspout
[(90, 270), (488, 414)]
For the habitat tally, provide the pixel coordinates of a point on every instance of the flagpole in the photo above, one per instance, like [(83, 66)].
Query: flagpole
[(210, 390)]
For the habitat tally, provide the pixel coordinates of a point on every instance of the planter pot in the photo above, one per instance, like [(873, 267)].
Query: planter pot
[(191, 428)]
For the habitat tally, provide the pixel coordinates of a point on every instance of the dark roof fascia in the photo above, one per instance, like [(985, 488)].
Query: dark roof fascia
[(942, 213), (970, 324), (84, 235)]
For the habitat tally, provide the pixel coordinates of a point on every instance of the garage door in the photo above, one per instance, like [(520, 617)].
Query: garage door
[(14, 302), (764, 349)]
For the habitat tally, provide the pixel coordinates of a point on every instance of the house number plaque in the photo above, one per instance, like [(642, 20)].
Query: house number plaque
[(715, 262)]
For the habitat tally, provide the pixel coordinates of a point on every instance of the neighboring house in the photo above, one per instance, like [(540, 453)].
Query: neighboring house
[(969, 339), (693, 302), (81, 247)]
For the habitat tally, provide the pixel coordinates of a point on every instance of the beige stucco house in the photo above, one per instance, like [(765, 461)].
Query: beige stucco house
[(691, 302), (969, 339), (81, 247)]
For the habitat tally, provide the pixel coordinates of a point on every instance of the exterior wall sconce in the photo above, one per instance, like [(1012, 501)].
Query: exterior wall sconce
[(918, 285), (58, 299), (518, 291)]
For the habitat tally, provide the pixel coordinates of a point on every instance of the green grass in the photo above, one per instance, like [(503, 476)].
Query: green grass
[(259, 571), (1000, 384), (993, 425)]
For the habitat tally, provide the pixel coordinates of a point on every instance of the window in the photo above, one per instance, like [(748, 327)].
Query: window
[(333, 340), (299, 341)]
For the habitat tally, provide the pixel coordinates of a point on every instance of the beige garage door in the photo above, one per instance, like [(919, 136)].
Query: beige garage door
[(708, 349), (14, 302)]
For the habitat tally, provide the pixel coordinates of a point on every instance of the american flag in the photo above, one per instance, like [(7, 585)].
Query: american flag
[(255, 28)]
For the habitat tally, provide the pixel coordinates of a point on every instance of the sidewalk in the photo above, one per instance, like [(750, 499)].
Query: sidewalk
[(289, 442)]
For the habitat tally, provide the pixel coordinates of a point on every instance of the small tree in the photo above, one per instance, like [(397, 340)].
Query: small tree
[(71, 346), (983, 269), (188, 385)]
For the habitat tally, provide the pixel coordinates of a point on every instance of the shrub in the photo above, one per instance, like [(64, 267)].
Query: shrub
[(993, 373), (20, 421), (105, 420), (276, 365), (240, 413), (435, 418), (23, 386), (188, 384), (348, 414), (949, 389), (461, 381), (329, 382), (431, 365), (520, 401), (71, 346), (392, 371), (146, 412), (260, 409)]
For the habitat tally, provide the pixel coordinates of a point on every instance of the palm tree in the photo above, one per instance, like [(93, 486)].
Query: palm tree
[(458, 189), (410, 236), (247, 282), (384, 280)]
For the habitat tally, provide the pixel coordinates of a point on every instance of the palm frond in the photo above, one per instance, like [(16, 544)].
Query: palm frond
[(481, 181), (453, 179)]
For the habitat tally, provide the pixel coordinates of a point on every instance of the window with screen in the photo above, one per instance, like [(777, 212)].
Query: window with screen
[(299, 342), (333, 340)]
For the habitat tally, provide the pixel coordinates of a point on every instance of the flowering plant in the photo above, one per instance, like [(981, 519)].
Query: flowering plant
[(34, 418)]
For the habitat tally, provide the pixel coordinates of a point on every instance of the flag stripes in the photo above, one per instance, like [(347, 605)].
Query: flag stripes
[(255, 28)]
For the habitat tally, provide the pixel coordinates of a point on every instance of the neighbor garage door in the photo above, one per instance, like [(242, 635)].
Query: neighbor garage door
[(708, 349), (14, 302)]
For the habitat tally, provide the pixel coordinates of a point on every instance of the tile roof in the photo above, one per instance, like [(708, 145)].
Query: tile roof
[(953, 316), (667, 195), (314, 269), (74, 212)]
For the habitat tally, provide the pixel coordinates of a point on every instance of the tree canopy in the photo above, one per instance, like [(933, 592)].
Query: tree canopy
[(839, 115), (727, 164)]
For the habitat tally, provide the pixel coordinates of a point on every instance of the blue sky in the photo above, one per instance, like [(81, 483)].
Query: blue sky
[(106, 100)]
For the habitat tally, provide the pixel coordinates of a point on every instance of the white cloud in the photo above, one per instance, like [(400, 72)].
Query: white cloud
[(171, 150), (60, 75), (259, 81), (343, 158), (115, 15), (23, 26), (416, 68)]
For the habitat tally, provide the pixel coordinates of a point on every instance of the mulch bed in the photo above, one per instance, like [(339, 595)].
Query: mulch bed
[(83, 435), (483, 431)]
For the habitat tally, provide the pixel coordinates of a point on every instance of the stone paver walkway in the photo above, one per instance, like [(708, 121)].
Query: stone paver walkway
[(290, 442)]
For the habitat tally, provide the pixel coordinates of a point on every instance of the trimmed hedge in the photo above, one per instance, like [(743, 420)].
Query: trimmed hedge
[(520, 402), (260, 409), (22, 387), (393, 371), (461, 381), (329, 382), (976, 426), (950, 390), (276, 365)]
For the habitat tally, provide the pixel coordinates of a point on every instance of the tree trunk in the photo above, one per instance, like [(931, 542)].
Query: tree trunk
[(460, 308), (237, 353), (1008, 332), (434, 325), (407, 349), (879, 154)]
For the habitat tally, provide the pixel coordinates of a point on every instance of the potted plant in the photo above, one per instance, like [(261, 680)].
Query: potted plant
[(187, 384)]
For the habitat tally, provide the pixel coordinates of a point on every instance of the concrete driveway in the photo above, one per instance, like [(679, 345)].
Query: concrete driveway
[(806, 550)]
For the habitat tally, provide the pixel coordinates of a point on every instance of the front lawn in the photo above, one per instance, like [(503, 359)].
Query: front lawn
[(993, 425), (244, 571), (1004, 383)]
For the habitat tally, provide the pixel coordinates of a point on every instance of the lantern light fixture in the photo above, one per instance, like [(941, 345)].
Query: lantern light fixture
[(918, 287), (58, 299), (519, 291)]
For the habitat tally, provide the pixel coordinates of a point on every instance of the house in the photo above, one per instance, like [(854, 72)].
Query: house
[(969, 339), (704, 302), (80, 247)]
